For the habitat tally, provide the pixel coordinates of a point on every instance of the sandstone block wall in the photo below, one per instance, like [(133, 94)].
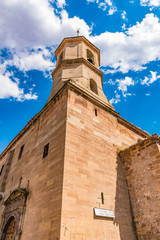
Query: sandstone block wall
[(82, 163), (43, 176), (91, 167), (142, 168), (82, 169)]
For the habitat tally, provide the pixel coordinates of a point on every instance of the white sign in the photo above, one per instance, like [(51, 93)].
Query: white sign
[(104, 213)]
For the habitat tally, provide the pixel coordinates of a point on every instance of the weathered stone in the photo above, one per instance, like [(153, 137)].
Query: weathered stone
[(144, 186), (82, 169)]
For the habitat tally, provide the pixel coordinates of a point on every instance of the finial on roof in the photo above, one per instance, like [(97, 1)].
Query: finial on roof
[(78, 32)]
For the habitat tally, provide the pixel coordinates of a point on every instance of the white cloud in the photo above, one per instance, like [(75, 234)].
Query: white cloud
[(29, 96), (37, 60), (151, 3), (61, 3), (102, 5), (123, 84), (105, 5), (148, 94), (10, 88), (127, 94), (111, 82), (130, 50), (112, 10), (34, 23), (69, 27), (27, 28), (109, 2), (123, 15), (116, 99), (151, 79), (123, 26)]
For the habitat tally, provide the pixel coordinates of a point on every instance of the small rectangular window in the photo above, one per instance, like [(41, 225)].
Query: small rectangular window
[(20, 152), (46, 149), (96, 112)]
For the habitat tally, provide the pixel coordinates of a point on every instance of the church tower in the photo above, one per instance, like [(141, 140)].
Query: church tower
[(78, 60), (61, 177)]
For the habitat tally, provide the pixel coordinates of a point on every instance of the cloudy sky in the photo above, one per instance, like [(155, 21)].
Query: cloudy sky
[(126, 32)]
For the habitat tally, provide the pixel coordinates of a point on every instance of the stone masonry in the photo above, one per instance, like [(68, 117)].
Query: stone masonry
[(65, 163), (142, 168)]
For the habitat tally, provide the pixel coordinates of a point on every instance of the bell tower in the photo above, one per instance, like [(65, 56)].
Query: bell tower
[(78, 61), (69, 182)]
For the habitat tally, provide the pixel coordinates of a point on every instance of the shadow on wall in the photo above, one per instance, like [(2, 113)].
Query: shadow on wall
[(123, 213)]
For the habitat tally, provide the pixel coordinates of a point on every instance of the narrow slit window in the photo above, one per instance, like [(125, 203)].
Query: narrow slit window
[(1, 170), (20, 152), (46, 149), (102, 197), (96, 112)]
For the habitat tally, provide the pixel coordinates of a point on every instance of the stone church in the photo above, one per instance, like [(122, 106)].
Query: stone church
[(77, 170)]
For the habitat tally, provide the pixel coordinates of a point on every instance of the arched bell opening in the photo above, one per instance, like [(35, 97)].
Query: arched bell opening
[(90, 56), (93, 86)]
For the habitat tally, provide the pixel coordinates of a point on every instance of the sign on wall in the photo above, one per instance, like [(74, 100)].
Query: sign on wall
[(104, 213)]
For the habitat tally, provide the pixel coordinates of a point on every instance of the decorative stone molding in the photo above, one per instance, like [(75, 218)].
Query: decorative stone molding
[(16, 195), (15, 207)]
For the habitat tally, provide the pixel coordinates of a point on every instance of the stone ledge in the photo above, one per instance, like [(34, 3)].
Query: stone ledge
[(141, 144), (78, 60), (90, 96), (108, 107), (77, 39)]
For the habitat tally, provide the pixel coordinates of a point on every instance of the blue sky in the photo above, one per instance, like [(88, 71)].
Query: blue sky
[(126, 32)]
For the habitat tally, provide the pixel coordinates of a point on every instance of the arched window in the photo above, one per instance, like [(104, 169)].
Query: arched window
[(10, 229), (93, 86), (90, 56)]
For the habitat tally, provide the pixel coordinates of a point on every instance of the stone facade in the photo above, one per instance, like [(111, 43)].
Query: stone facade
[(66, 160), (91, 167), (142, 167), (43, 177)]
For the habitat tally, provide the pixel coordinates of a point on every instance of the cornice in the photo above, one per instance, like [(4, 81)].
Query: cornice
[(31, 122), (77, 39), (85, 93), (78, 60), (140, 145), (109, 108), (94, 97), (132, 127)]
